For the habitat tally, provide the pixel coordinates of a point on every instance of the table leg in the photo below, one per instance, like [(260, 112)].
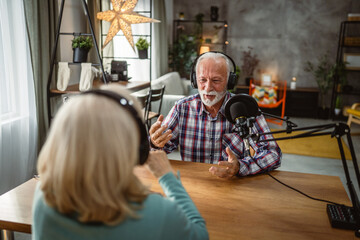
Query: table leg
[(6, 235)]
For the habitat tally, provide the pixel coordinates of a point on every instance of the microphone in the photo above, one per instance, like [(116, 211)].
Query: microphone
[(241, 106), (242, 110)]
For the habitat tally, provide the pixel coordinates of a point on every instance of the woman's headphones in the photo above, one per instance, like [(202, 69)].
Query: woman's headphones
[(232, 76), (144, 147)]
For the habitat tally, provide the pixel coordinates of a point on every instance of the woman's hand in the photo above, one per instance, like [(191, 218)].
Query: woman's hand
[(158, 163)]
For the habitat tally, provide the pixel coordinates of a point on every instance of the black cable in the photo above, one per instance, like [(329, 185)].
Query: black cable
[(292, 188)]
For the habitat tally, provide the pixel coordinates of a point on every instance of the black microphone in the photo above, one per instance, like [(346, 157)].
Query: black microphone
[(242, 110), (238, 113), (241, 106)]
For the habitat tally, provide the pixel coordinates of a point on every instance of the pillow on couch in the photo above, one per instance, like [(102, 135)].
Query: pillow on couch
[(264, 95)]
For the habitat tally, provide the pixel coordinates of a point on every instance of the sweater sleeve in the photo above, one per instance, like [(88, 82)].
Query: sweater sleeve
[(194, 227)]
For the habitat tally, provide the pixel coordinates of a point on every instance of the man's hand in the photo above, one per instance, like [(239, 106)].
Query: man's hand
[(232, 166), (157, 135)]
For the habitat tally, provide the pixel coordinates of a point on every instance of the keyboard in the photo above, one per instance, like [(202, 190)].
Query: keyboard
[(341, 216)]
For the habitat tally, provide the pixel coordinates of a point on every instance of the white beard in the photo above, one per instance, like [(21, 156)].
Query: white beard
[(209, 103)]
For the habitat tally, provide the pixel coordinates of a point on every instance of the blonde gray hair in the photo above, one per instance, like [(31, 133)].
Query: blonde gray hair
[(86, 165)]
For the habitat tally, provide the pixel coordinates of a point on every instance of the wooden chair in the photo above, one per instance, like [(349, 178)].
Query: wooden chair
[(143, 99), (280, 100), (354, 114), (154, 96)]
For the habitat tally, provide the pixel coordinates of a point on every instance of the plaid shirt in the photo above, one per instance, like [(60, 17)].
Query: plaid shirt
[(203, 138)]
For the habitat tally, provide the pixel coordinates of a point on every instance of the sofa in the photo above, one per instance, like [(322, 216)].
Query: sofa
[(175, 89)]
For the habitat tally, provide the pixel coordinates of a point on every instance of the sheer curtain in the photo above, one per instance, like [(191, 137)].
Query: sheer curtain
[(18, 123)]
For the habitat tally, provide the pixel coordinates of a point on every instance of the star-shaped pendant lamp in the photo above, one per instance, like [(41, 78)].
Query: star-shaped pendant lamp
[(121, 18)]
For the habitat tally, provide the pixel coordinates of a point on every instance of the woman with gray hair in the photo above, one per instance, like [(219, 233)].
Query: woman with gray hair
[(87, 188)]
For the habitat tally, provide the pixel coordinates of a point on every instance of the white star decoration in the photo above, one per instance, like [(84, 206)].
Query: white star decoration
[(121, 18)]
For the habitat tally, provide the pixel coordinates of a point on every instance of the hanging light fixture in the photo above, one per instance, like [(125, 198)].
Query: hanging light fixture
[(121, 18)]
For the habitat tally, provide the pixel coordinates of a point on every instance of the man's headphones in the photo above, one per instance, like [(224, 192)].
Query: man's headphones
[(232, 76), (144, 147)]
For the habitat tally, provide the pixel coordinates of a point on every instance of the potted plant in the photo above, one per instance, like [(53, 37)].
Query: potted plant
[(323, 73), (338, 105), (81, 46), (250, 61), (182, 54), (142, 46)]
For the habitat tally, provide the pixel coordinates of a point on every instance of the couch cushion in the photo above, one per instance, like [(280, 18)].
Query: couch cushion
[(172, 82), (264, 95)]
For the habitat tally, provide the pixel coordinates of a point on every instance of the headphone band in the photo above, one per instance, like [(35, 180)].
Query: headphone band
[(144, 147), (232, 75)]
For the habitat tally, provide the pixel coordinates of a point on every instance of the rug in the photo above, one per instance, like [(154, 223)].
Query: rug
[(318, 146)]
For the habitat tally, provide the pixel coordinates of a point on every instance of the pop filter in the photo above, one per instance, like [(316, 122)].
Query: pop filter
[(241, 105)]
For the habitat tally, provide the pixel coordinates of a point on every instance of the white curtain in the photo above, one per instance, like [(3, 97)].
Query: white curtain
[(18, 123), (160, 41)]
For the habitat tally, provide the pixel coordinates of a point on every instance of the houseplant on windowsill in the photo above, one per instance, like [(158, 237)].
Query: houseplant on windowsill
[(142, 46), (338, 105), (81, 46)]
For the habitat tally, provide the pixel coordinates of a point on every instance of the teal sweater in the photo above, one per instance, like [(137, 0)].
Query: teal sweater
[(174, 217)]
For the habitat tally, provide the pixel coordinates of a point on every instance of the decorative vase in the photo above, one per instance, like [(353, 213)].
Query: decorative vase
[(214, 13), (143, 54), (80, 55)]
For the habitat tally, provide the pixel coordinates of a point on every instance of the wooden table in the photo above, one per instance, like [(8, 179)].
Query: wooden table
[(130, 85), (253, 207)]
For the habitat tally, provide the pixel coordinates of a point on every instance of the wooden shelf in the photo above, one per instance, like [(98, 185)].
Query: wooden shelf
[(130, 85)]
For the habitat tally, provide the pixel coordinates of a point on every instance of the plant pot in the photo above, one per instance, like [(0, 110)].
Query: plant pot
[(337, 111), (143, 54), (214, 13), (80, 55)]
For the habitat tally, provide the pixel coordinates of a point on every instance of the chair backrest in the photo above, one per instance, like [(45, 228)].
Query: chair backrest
[(143, 99), (154, 95), (278, 89)]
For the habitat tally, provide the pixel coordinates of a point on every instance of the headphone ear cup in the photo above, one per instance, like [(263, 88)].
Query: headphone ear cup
[(231, 81), (193, 80), (144, 149)]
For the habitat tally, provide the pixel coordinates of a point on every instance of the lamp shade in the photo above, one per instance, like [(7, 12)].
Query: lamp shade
[(204, 49)]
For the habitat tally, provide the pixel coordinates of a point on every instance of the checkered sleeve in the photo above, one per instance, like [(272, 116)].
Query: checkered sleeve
[(267, 154), (172, 120)]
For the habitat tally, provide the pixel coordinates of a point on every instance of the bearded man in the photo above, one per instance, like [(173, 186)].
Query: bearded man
[(198, 127)]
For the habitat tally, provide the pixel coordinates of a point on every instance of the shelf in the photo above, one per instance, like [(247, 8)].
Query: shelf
[(134, 35), (75, 34), (136, 58), (130, 85), (348, 43), (354, 92), (73, 63), (204, 21)]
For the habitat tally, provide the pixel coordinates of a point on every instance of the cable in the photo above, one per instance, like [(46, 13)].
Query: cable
[(292, 188)]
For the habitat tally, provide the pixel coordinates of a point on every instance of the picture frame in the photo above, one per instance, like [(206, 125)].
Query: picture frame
[(352, 61)]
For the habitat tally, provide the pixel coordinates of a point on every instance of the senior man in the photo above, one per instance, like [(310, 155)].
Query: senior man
[(197, 125)]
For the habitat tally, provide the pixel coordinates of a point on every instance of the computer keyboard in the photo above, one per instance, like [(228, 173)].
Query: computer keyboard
[(341, 216)]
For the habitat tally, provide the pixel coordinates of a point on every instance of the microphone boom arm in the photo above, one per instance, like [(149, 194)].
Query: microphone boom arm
[(339, 130)]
